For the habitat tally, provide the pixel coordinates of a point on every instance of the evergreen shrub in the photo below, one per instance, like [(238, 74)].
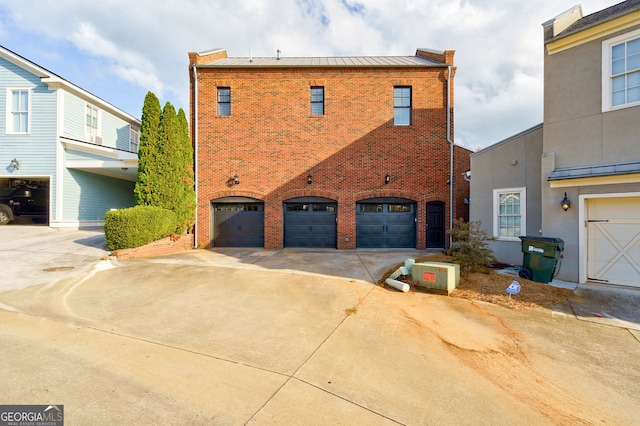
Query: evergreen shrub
[(469, 247), (137, 226)]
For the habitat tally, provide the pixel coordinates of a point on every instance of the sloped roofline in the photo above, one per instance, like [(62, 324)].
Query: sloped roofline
[(571, 29), (509, 139), (54, 81), (598, 18)]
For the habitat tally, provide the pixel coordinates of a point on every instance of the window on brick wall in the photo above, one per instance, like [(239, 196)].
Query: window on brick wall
[(402, 106), (317, 100), (224, 101)]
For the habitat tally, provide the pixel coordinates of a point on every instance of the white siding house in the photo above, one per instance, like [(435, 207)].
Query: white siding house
[(66, 140)]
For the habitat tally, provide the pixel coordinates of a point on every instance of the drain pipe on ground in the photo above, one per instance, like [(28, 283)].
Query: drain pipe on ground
[(195, 151)]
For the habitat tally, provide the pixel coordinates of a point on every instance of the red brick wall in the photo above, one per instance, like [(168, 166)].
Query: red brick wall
[(272, 142), (461, 164)]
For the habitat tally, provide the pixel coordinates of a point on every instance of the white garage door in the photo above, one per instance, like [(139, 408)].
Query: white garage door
[(613, 242)]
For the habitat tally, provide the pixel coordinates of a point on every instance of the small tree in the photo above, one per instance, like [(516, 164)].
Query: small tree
[(469, 247), (186, 204), (148, 152), (165, 162)]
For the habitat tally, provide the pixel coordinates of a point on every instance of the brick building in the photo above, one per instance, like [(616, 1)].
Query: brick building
[(339, 152)]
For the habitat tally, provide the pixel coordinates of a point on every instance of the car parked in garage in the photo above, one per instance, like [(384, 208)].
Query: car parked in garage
[(24, 202)]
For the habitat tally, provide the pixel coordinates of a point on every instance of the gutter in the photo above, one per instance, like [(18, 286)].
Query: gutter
[(450, 152), (195, 151)]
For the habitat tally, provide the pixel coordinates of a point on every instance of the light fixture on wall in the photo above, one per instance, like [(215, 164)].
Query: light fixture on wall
[(15, 164), (565, 203), (233, 180), (387, 179), (309, 180)]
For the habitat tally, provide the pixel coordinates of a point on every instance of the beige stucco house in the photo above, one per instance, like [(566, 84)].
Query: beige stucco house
[(588, 147)]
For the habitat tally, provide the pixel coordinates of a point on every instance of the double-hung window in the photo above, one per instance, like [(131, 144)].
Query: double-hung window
[(509, 213), (621, 71), (317, 100), (402, 106), (224, 101), (18, 111), (91, 124), (134, 139)]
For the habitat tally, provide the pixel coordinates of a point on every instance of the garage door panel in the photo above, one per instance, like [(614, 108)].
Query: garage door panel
[(613, 241), (238, 225), (370, 230), (310, 225), (385, 225)]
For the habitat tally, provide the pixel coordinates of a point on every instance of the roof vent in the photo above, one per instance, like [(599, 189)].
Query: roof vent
[(278, 54)]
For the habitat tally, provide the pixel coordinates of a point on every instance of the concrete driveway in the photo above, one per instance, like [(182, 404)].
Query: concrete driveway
[(291, 337)]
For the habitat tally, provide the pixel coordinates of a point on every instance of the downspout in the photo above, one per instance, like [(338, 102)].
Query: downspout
[(450, 153), (195, 151)]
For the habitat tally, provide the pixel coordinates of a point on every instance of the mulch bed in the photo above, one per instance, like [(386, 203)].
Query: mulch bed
[(492, 287)]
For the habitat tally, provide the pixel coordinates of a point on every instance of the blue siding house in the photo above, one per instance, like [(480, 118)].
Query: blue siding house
[(57, 136)]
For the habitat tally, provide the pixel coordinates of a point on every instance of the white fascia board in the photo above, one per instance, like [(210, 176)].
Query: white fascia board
[(105, 151), (95, 164)]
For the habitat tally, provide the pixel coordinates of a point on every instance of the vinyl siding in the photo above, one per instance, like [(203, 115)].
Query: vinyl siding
[(74, 117), (39, 144), (88, 196), (114, 131), (36, 150)]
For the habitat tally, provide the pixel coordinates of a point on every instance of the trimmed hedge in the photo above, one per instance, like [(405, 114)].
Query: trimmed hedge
[(137, 226)]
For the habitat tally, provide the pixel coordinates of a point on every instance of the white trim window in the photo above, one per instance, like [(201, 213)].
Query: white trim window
[(92, 125), (509, 213), (134, 139), (317, 100), (224, 101), (621, 71), (18, 108), (402, 106)]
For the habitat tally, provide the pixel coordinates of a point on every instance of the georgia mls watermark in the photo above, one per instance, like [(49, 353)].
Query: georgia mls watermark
[(31, 415)]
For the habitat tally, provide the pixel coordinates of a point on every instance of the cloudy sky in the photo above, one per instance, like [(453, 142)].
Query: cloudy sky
[(120, 49)]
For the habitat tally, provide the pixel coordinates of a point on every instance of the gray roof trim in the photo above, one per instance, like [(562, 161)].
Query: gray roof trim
[(324, 62), (595, 171), (509, 139), (599, 17)]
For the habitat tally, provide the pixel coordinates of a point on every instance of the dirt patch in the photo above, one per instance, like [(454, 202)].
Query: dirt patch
[(492, 288), (58, 268)]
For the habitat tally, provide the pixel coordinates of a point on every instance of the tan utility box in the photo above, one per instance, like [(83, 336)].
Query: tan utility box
[(436, 276)]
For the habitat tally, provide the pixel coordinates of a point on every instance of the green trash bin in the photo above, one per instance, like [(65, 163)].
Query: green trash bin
[(541, 258)]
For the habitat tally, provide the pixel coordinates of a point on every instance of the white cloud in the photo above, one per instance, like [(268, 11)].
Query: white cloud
[(144, 43), (127, 65)]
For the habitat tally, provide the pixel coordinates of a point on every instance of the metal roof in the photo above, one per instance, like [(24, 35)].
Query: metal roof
[(302, 62), (595, 171)]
